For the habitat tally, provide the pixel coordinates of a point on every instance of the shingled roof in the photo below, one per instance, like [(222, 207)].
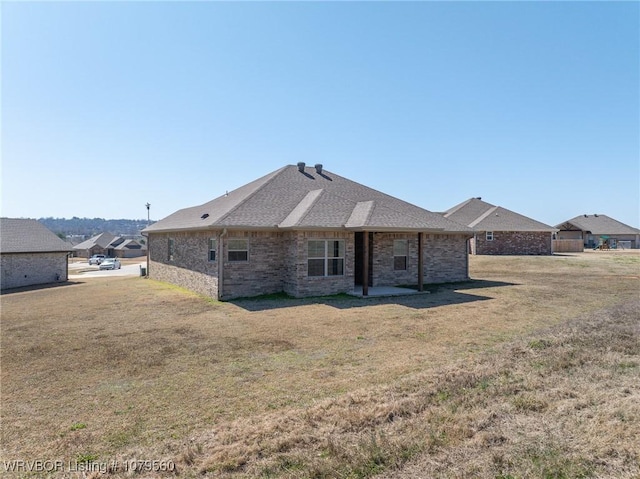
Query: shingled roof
[(103, 240), (598, 225), (29, 236), (300, 198), (483, 216)]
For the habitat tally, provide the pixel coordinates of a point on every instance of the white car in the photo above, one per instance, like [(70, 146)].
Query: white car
[(110, 263), (96, 259)]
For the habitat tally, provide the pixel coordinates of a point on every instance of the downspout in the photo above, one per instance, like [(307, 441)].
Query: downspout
[(420, 262), (221, 264)]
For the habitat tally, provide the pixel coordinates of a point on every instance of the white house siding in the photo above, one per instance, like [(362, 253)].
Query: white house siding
[(28, 269), (445, 258)]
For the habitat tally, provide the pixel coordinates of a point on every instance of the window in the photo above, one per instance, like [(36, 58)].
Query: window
[(489, 235), (213, 246), (325, 258), (238, 250), (171, 250), (400, 249)]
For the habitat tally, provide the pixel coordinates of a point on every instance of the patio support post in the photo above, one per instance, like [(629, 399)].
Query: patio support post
[(365, 263), (420, 262)]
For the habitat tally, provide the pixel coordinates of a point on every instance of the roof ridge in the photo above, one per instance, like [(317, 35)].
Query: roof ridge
[(482, 216), (246, 198), (456, 208), (301, 210)]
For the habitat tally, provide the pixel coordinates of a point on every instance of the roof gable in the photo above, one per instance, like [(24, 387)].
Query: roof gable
[(102, 240), (598, 224), (483, 216), (29, 236), (290, 198)]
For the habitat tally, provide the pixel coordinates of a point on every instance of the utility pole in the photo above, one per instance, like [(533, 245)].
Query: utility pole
[(148, 205)]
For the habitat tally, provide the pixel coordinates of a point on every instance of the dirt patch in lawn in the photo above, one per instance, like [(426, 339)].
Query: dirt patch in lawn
[(337, 387)]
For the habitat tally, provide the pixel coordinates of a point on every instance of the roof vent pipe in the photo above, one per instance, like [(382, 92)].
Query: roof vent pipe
[(318, 167), (301, 166)]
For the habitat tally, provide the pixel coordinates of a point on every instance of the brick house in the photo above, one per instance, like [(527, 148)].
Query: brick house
[(95, 245), (499, 231), (31, 254), (306, 232), (111, 246), (594, 230)]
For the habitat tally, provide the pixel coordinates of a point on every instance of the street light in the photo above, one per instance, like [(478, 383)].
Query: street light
[(148, 205)]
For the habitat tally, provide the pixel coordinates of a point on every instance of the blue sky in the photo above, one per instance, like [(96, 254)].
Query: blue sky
[(533, 106)]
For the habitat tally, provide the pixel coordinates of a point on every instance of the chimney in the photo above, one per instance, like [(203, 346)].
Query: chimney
[(478, 197), (318, 167), (301, 166)]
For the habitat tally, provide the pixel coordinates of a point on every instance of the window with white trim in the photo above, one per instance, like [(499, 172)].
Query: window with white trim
[(489, 235), (213, 247), (400, 248), (325, 258), (238, 250), (170, 249)]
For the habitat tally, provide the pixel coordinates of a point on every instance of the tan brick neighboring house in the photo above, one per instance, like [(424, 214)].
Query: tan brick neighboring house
[(499, 231), (31, 254), (111, 246), (306, 232), (95, 245), (595, 230)]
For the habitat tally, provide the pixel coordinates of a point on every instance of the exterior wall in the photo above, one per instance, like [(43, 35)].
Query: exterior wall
[(514, 243), (445, 258), (383, 271), (278, 262), (27, 269), (190, 266), (263, 273), (297, 282)]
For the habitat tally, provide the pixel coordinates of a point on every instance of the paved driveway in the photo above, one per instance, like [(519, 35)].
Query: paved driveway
[(83, 270)]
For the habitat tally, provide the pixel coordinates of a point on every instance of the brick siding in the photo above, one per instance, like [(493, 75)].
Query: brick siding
[(514, 243), (278, 262), (445, 258), (27, 269)]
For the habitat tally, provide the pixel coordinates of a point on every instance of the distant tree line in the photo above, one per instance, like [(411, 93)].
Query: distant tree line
[(88, 227)]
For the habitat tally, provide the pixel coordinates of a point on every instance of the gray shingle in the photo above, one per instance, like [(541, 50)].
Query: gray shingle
[(286, 199), (599, 225), (483, 216), (29, 236)]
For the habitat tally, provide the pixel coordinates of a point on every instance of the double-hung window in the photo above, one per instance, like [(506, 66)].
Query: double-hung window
[(489, 236), (325, 258), (238, 250), (213, 246), (400, 249), (171, 249)]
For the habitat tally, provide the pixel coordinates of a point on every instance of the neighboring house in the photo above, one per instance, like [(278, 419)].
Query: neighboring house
[(499, 231), (595, 230), (126, 248), (306, 232), (111, 246), (31, 254), (95, 245)]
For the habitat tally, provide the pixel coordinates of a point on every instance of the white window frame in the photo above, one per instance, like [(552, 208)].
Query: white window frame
[(405, 255), (171, 249), (213, 248), (231, 249), (489, 236), (326, 257)]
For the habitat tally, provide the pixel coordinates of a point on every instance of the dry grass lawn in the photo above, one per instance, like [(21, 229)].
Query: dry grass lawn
[(530, 370)]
